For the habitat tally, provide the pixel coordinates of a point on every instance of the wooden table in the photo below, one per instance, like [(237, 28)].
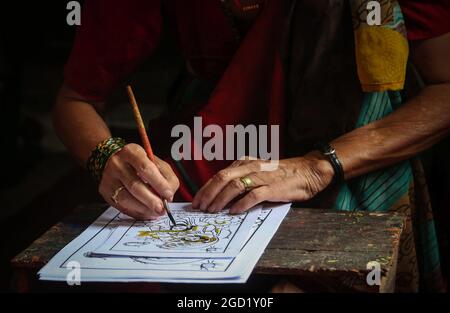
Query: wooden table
[(328, 249)]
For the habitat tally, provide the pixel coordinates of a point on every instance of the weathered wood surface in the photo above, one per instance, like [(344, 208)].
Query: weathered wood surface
[(335, 248), (329, 247)]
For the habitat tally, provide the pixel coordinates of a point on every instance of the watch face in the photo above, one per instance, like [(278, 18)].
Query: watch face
[(329, 151)]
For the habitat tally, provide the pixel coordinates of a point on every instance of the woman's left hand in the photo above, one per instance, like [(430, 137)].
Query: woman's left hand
[(297, 179)]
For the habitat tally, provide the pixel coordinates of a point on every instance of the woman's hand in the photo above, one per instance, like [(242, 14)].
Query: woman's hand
[(139, 183), (297, 179)]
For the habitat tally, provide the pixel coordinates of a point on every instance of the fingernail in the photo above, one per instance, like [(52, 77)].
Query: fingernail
[(168, 194), (234, 211), (160, 208), (203, 207), (211, 209)]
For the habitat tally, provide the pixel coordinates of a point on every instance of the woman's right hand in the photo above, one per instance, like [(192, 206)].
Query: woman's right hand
[(140, 182)]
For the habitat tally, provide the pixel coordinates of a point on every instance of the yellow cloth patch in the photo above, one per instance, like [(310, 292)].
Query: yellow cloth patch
[(381, 56)]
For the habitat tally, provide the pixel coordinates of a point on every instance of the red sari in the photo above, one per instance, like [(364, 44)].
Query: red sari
[(248, 74), (116, 36)]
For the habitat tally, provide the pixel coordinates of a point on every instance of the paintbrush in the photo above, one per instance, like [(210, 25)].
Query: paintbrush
[(146, 143)]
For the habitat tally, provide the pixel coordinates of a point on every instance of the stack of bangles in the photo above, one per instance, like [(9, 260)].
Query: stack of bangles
[(101, 154)]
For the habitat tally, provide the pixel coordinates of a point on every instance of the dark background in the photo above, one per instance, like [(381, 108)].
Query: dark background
[(35, 42), (40, 183)]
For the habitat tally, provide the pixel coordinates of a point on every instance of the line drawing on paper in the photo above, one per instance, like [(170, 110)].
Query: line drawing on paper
[(194, 231), (90, 261)]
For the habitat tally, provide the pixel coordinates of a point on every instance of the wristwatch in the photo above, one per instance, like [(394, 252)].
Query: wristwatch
[(330, 153)]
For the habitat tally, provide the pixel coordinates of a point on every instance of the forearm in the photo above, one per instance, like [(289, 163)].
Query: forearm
[(413, 128), (78, 124)]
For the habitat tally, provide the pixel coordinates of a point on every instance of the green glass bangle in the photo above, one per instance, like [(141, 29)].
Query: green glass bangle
[(101, 154)]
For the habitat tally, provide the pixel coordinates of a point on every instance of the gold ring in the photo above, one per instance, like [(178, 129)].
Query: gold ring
[(115, 196), (247, 182)]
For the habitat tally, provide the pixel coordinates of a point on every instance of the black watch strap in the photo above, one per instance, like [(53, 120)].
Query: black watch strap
[(329, 152)]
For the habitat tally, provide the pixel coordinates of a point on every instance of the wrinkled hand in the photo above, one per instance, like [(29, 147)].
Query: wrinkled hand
[(143, 181), (297, 179)]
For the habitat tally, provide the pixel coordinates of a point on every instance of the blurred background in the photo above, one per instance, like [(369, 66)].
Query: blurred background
[(40, 183)]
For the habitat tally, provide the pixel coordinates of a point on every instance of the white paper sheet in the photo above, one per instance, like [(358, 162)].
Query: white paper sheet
[(196, 235), (170, 270)]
